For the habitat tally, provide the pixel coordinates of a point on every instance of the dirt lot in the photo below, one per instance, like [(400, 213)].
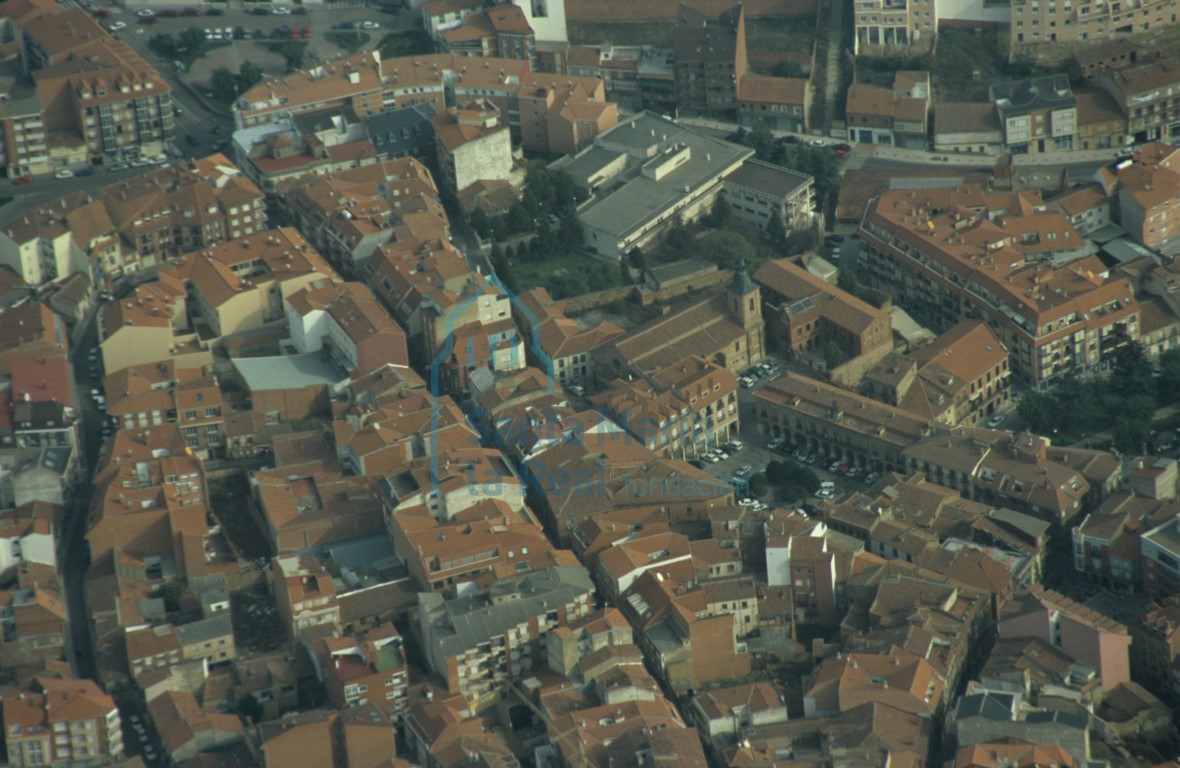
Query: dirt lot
[(233, 56)]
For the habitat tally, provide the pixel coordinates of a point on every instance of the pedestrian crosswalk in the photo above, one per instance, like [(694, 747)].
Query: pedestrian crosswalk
[(857, 158)]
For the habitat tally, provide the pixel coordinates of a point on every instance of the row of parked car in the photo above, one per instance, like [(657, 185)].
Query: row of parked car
[(763, 370), (718, 454)]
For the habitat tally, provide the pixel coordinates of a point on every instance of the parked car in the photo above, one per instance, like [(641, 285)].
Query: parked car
[(87, 171), (852, 472), (776, 443), (744, 470), (102, 13), (64, 173), (115, 26), (824, 493), (576, 389), (299, 10), (281, 10), (746, 382), (168, 13), (21, 180), (712, 458), (733, 446), (843, 470), (145, 13), (215, 12), (834, 466), (995, 421), (347, 25), (258, 34), (260, 11), (190, 12), (370, 25), (870, 478)]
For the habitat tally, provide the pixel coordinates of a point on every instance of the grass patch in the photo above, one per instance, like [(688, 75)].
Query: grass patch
[(397, 44), (348, 39), (570, 274), (962, 52), (227, 500), (777, 36), (186, 47), (256, 622), (657, 33)]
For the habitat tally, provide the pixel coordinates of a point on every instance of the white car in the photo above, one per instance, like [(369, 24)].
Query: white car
[(281, 10), (64, 173), (116, 26), (146, 13), (995, 421), (712, 458), (370, 25), (746, 382), (746, 502), (824, 493)]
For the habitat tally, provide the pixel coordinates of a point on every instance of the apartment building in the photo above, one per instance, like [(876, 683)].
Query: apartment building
[(758, 192), (1147, 191), (894, 22), (1160, 553), (28, 543), (246, 284), (473, 145), (561, 115), (32, 631), (1155, 648), (1001, 469), (478, 643), (357, 736), (804, 313), (678, 411), (1037, 115), (61, 722), (31, 330), (502, 32), (116, 108), (895, 116), (1145, 95), (367, 669), (960, 378), (137, 222), (939, 253), (1035, 22), (1088, 636), (710, 60), (838, 423), (1106, 542), (567, 346), (847, 681), (644, 173), (779, 103), (350, 213), (305, 595), (345, 321)]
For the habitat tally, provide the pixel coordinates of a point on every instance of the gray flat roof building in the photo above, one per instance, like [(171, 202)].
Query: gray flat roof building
[(643, 172)]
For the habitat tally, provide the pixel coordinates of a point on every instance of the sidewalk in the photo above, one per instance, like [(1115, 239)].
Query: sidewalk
[(922, 157)]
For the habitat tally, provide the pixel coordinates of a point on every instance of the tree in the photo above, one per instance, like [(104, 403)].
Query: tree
[(624, 271), (480, 223), (163, 46), (190, 39), (170, 592), (1168, 381), (761, 140), (222, 84), (249, 75), (250, 709), (833, 355), (720, 214), (775, 233), (1038, 410), (759, 485), (678, 236), (637, 259), (518, 219), (846, 281), (569, 230), (801, 241), (728, 249), (1130, 435), (1131, 373)]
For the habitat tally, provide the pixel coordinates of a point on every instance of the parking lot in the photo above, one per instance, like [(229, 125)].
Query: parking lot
[(756, 451)]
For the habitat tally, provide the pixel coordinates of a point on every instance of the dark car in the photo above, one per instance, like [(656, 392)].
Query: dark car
[(21, 180), (192, 140), (215, 12), (239, 33), (147, 20), (168, 13), (260, 11), (299, 10), (102, 13), (86, 172), (190, 12), (348, 25), (257, 34)]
